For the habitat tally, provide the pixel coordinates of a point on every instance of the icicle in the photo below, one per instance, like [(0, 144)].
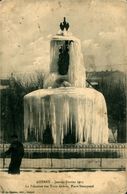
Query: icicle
[(76, 74), (54, 54)]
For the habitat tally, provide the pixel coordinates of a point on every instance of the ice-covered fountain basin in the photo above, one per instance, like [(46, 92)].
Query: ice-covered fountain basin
[(80, 111)]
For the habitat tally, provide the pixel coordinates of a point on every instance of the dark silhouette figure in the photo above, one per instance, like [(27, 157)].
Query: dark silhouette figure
[(63, 61), (16, 150), (64, 24)]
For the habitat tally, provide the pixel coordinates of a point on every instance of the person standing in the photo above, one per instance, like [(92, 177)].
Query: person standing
[(16, 150)]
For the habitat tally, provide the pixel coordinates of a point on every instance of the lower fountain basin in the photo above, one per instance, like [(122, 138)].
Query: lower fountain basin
[(79, 113)]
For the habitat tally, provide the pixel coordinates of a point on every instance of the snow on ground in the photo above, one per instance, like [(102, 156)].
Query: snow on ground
[(64, 182)]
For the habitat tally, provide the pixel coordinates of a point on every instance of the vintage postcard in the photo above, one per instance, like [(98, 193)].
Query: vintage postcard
[(63, 92)]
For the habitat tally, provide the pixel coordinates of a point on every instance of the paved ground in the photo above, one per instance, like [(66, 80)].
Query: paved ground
[(64, 182)]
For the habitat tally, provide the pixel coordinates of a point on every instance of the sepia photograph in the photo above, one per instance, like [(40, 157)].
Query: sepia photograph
[(63, 94)]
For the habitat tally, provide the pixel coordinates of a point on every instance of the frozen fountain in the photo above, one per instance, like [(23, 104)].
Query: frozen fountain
[(66, 110)]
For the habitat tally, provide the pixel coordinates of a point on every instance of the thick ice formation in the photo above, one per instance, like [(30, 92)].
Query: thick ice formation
[(76, 74), (81, 111)]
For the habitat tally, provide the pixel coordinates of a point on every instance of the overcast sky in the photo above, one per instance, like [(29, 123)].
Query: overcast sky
[(27, 26)]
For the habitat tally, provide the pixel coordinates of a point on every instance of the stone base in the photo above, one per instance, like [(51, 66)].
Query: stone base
[(72, 157)]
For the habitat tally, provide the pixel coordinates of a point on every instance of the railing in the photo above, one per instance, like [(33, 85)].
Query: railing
[(84, 156)]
